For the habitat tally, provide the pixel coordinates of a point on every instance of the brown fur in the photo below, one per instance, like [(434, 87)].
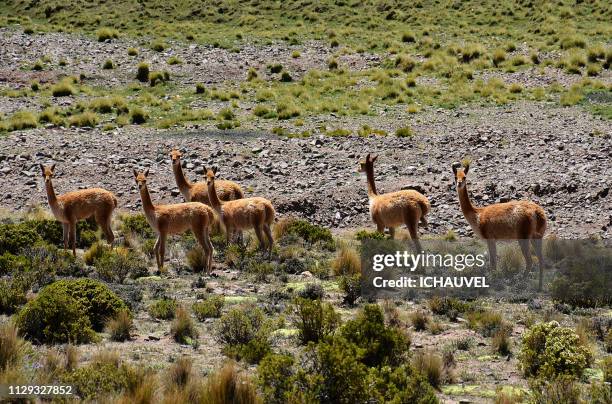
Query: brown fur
[(176, 219), (73, 206), (524, 221), (257, 213), (198, 192), (393, 209)]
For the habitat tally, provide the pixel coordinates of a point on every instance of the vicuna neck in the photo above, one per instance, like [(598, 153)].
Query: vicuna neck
[(469, 210), (182, 182), (51, 194), (371, 184), (213, 198), (147, 204)]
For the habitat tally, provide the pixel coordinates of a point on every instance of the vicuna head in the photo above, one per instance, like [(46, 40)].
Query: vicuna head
[(141, 178), (176, 157), (460, 171), (47, 172), (210, 175), (366, 164)]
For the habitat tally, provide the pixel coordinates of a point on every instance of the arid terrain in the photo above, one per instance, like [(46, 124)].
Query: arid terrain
[(286, 100)]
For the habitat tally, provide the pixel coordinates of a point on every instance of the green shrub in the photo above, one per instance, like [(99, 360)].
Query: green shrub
[(562, 389), (138, 116), (108, 65), (35, 85), (226, 114), (137, 224), (55, 318), (240, 325), (163, 309), (583, 281), (12, 294), (158, 77), (142, 72), (500, 342), (312, 291), (405, 63), (606, 366), (351, 287), (362, 235), (11, 346), (251, 74), (275, 68), (38, 65), (499, 56), (286, 77), (305, 230), (15, 237), (98, 379), (104, 34), (227, 386), (404, 132), (274, 375), (419, 320), (22, 120), (174, 60), (208, 308), (13, 263), (549, 350), (408, 37), (314, 320), (63, 89), (381, 344), (183, 330), (114, 265), (264, 112), (132, 51)]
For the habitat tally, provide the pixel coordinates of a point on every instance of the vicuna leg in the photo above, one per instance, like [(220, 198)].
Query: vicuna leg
[(162, 250), (526, 253), (66, 232), (210, 251), (73, 237), (392, 232), (229, 231), (492, 245), (259, 234), (270, 239), (156, 251), (104, 221), (413, 228), (202, 235), (537, 246)]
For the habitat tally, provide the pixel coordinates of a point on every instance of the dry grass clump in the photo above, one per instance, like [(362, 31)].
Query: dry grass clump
[(120, 326), (183, 329), (11, 346), (227, 386), (430, 365), (419, 320), (347, 261)]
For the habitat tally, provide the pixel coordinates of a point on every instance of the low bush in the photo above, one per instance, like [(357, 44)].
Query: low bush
[(114, 265), (606, 367), (138, 116), (196, 259), (12, 294), (208, 308), (183, 330), (138, 225), (100, 378), (108, 65), (314, 320), (200, 88), (351, 288), (132, 52), (158, 45), (487, 322), (240, 325), (22, 120), (305, 230), (549, 350), (500, 342), (404, 132), (11, 346), (363, 235), (119, 327), (14, 238), (274, 375), (562, 389), (312, 291), (163, 309), (381, 344), (84, 119), (63, 89)]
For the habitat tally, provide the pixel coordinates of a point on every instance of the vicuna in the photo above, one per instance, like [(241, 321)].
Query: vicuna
[(176, 219), (393, 209), (73, 206), (257, 213), (524, 221)]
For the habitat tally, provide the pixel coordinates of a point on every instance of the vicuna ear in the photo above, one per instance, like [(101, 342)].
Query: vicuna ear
[(215, 169), (146, 173), (456, 165), (466, 168), (135, 173), (42, 169), (374, 158), (368, 157), (53, 168)]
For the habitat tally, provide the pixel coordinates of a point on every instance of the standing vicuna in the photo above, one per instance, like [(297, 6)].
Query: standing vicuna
[(176, 219), (393, 209), (73, 206), (257, 213), (524, 221), (198, 192)]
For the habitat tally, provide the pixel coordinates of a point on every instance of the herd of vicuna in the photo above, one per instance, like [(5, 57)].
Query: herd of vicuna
[(224, 201)]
